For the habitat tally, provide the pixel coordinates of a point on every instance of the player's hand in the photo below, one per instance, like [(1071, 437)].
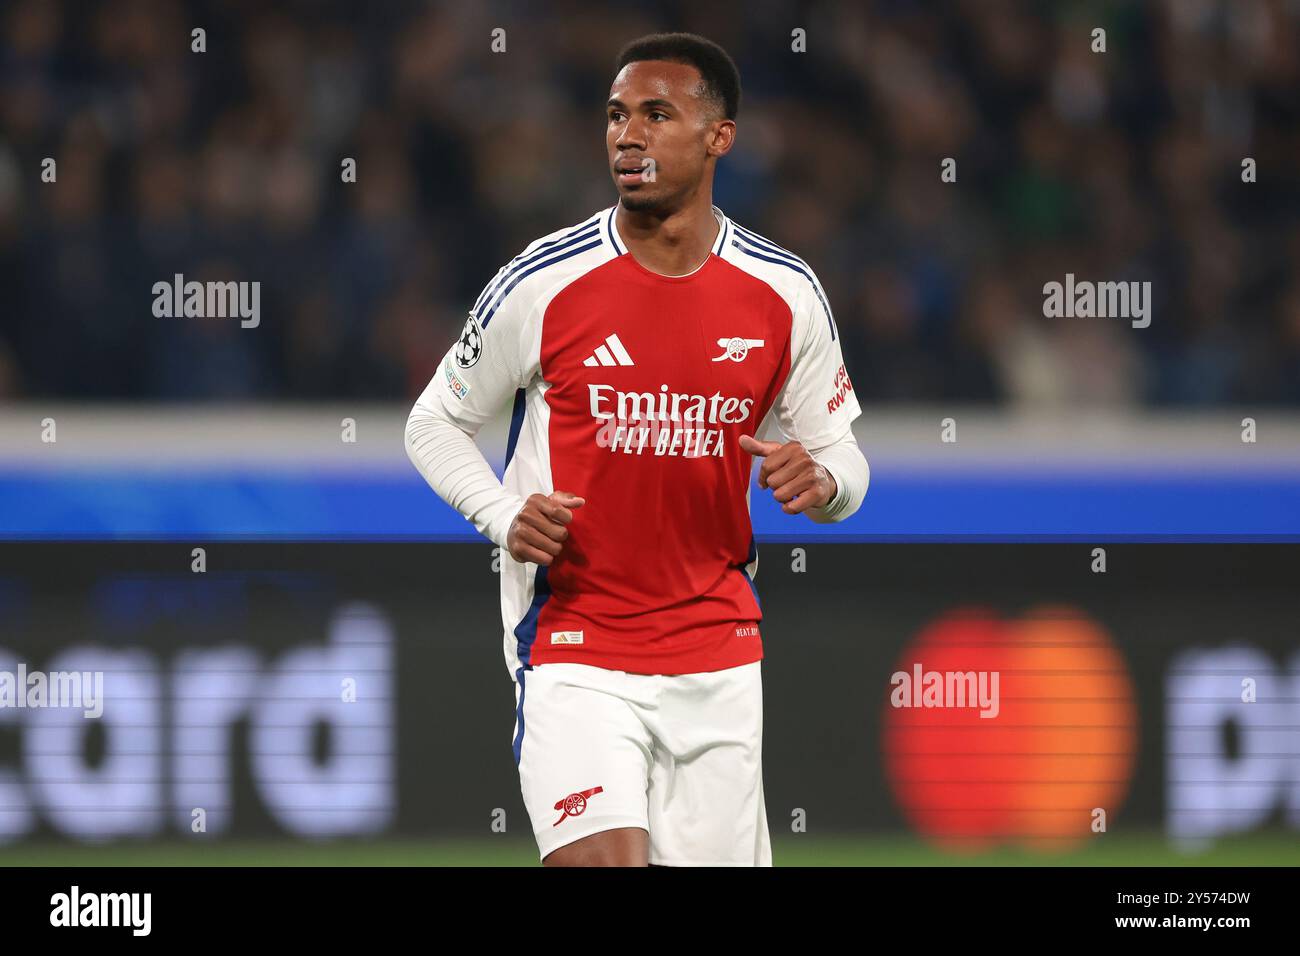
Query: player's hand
[(538, 532), (796, 480)]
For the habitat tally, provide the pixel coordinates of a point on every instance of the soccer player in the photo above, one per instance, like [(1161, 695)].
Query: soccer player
[(645, 349)]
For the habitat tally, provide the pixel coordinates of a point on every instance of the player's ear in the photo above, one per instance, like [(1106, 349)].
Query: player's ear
[(722, 136)]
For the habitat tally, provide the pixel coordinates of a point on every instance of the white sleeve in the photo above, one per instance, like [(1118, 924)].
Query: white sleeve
[(848, 466), (479, 374), (452, 464), (817, 406)]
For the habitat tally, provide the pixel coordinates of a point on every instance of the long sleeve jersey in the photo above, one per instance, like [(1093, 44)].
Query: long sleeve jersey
[(631, 389)]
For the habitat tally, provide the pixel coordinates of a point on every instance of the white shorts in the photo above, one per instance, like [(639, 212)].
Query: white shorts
[(679, 756)]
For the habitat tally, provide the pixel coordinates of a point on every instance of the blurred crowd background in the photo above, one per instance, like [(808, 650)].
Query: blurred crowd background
[(226, 165)]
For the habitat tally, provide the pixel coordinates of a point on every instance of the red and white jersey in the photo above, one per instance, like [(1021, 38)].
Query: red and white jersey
[(632, 389)]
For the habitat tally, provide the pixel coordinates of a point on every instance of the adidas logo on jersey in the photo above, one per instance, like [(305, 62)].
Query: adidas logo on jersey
[(610, 353)]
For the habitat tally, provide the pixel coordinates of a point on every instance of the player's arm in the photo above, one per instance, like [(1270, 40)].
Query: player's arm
[(477, 376), (817, 468)]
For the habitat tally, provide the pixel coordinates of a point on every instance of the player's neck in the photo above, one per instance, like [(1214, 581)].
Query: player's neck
[(672, 244)]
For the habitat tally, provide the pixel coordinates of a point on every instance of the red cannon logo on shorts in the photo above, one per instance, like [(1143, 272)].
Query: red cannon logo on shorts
[(574, 804)]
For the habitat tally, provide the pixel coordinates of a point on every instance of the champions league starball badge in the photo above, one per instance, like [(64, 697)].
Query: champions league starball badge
[(470, 346)]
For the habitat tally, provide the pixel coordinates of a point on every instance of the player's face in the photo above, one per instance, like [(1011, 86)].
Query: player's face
[(654, 113)]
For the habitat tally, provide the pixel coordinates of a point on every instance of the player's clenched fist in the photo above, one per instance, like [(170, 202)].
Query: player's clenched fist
[(796, 479), (538, 532)]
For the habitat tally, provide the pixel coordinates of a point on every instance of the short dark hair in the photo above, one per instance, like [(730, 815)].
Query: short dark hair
[(721, 79)]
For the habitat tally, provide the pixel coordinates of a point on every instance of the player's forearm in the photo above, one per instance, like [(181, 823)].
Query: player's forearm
[(848, 466), (455, 468)]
